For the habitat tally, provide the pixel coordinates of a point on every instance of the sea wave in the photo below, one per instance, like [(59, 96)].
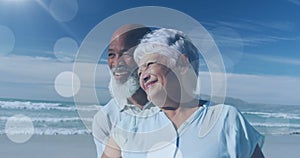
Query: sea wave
[(290, 132), (50, 131), (45, 106), (269, 125), (49, 119), (274, 115)]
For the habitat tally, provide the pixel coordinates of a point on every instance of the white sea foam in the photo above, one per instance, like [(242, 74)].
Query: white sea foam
[(276, 132), (32, 106), (53, 131), (44, 106), (282, 125), (274, 115), (52, 120)]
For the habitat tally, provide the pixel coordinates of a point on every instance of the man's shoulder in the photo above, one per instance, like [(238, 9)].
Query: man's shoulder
[(109, 112), (110, 108)]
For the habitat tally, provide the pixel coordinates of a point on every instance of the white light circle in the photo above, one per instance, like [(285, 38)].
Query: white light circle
[(7, 40), (19, 128), (96, 41), (63, 10), (67, 84), (65, 49)]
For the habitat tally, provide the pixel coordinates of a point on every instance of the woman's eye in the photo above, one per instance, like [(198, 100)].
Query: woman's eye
[(150, 63)]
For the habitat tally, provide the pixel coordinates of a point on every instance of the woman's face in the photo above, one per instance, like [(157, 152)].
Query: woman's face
[(158, 80)]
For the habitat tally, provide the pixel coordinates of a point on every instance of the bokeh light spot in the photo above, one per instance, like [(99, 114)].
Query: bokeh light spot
[(63, 10), (7, 40), (19, 128), (65, 49), (67, 84)]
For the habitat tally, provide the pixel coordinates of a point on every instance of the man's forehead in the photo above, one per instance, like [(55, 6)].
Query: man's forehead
[(117, 39), (123, 43), (120, 44), (125, 29)]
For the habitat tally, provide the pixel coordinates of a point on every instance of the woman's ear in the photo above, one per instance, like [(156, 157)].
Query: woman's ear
[(183, 63)]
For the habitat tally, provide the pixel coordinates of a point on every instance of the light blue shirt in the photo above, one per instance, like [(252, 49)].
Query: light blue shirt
[(102, 124), (211, 131), (109, 115)]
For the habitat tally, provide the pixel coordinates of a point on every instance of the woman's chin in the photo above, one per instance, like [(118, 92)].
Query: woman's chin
[(159, 100)]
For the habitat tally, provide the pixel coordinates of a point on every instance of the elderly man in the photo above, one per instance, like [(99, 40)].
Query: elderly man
[(124, 85)]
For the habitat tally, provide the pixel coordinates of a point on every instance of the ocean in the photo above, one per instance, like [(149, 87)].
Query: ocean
[(62, 118), (273, 119), (48, 118)]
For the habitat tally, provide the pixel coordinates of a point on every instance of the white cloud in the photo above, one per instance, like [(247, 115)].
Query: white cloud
[(227, 33), (270, 89), (263, 39), (30, 69), (265, 89), (255, 25), (276, 59), (33, 77), (259, 39), (297, 2)]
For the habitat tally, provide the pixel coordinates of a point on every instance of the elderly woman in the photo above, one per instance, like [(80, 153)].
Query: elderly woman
[(168, 69)]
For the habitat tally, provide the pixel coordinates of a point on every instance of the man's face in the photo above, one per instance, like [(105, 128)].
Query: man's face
[(120, 58)]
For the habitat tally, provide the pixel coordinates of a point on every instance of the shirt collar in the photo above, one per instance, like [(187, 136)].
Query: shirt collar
[(125, 107), (148, 110)]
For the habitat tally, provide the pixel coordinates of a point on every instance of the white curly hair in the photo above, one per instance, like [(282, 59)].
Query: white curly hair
[(170, 43)]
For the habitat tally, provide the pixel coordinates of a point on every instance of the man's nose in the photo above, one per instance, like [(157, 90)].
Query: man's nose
[(120, 60)]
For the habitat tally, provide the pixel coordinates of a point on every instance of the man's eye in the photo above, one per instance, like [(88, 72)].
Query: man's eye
[(111, 55)]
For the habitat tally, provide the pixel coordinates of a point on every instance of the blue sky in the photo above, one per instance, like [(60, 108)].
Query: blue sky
[(259, 42)]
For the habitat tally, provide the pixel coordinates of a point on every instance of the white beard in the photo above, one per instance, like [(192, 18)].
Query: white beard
[(122, 91)]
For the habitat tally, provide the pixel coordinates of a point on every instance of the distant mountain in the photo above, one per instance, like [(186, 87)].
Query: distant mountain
[(246, 106), (239, 103)]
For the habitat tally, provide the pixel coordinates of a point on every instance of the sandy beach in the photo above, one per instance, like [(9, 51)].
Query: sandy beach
[(56, 146), (282, 146), (82, 146)]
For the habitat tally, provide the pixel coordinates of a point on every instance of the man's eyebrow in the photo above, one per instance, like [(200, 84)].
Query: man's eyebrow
[(121, 51), (124, 50), (110, 50)]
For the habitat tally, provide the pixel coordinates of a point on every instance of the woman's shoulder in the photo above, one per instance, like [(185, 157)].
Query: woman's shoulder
[(216, 113), (222, 108)]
